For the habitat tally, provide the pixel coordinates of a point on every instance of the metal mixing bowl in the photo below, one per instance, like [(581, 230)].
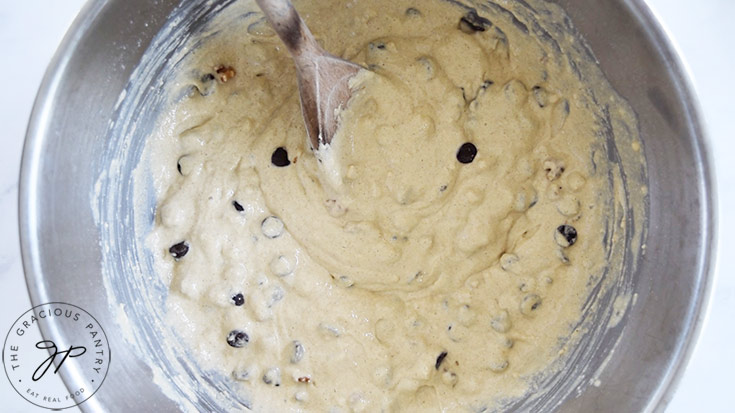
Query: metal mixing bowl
[(68, 146)]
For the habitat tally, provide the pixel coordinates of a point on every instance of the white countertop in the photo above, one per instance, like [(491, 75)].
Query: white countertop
[(31, 30)]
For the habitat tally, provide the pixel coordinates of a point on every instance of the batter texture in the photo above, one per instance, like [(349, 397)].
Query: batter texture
[(447, 267)]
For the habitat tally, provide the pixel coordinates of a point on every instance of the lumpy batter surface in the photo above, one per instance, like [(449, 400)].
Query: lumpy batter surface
[(447, 265)]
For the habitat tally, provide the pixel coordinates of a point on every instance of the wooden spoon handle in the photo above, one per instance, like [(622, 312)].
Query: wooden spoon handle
[(290, 28), (323, 79)]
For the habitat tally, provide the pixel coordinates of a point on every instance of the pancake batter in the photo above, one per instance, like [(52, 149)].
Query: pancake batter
[(448, 267)]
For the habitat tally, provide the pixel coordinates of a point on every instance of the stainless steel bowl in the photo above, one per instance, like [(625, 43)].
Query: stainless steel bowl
[(69, 145)]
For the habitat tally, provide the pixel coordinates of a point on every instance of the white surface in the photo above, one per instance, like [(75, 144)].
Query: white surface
[(31, 30)]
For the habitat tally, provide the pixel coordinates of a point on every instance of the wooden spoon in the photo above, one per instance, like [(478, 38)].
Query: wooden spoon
[(323, 78)]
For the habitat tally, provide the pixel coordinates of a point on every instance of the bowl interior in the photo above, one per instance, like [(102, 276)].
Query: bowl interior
[(78, 225)]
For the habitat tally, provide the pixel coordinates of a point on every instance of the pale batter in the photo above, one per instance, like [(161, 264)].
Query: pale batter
[(449, 266)]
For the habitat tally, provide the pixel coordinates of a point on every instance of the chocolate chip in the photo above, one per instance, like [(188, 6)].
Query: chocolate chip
[(276, 296), (272, 376), (185, 164), (179, 250), (466, 153), (440, 359), (498, 366), (280, 157), (238, 299), (530, 303), (283, 265), (472, 23), (542, 98), (272, 227), (206, 85), (565, 235), (428, 65), (242, 375), (237, 206), (237, 338), (344, 281), (507, 261), (411, 11), (297, 352), (553, 168), (501, 322)]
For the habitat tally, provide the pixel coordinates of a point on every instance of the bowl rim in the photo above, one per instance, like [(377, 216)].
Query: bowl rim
[(708, 254)]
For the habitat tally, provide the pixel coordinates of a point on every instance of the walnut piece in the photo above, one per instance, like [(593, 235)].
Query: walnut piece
[(225, 73)]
